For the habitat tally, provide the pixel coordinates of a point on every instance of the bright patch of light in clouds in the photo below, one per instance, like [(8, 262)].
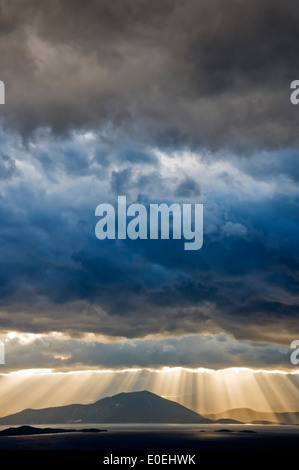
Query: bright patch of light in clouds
[(204, 390)]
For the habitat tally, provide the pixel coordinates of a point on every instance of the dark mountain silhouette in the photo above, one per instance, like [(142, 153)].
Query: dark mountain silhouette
[(246, 415), (135, 407)]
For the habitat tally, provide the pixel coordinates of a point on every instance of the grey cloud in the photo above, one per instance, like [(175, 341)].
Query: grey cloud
[(7, 167), (171, 72), (120, 181), (188, 188), (209, 351)]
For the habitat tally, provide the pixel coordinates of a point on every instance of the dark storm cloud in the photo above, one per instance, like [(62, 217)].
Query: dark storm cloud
[(188, 188), (211, 73), (269, 164), (120, 181), (138, 85), (56, 276)]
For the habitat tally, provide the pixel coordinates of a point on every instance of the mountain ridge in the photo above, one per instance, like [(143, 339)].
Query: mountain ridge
[(250, 416), (131, 407)]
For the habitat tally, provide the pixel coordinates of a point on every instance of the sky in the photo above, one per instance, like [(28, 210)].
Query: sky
[(161, 101)]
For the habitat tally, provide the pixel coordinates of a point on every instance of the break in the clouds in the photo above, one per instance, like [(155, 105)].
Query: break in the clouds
[(161, 101), (58, 352)]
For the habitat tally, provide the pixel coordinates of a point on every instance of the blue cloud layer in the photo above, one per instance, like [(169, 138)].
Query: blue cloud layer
[(56, 275)]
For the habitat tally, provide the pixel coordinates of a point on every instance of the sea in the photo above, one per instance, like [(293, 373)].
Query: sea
[(158, 438)]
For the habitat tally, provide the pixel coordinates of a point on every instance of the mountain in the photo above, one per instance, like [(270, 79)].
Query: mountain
[(135, 407), (246, 415)]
